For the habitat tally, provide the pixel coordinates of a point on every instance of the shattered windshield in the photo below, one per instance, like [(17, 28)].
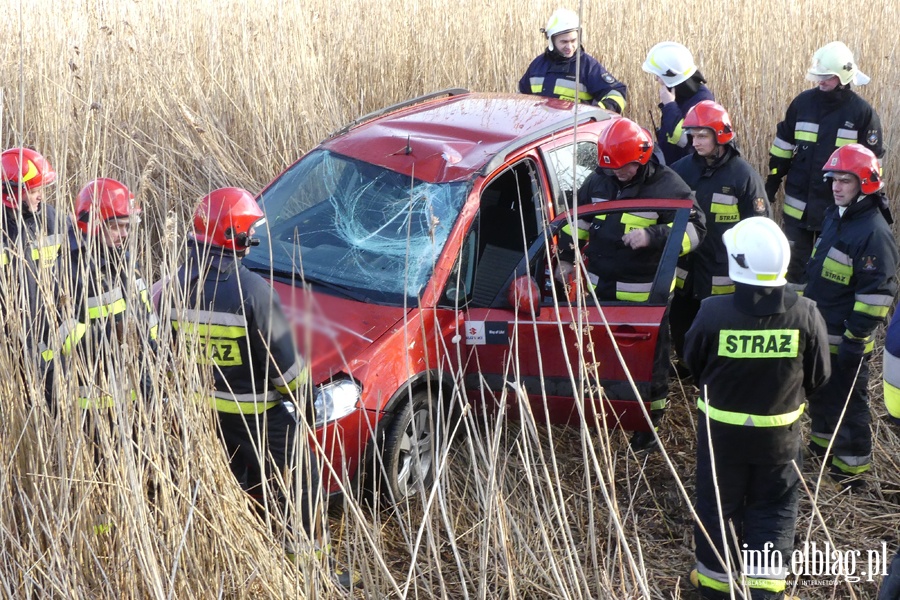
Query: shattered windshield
[(355, 229)]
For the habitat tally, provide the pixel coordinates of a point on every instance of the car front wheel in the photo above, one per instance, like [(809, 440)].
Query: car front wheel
[(411, 449)]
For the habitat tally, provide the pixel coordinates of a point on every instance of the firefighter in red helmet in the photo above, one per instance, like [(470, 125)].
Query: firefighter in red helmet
[(29, 254), (233, 321), (728, 190), (110, 307), (624, 250), (852, 278)]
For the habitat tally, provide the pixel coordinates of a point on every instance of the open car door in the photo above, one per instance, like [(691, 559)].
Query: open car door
[(563, 354)]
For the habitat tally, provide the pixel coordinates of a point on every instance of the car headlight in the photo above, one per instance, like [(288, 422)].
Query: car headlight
[(335, 400)]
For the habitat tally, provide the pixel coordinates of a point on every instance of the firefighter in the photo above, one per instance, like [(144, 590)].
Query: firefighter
[(110, 306), (29, 250), (107, 337), (851, 276), (233, 320), (819, 120), (891, 369), (553, 73), (890, 587), (624, 250), (776, 339), (681, 86), (728, 189)]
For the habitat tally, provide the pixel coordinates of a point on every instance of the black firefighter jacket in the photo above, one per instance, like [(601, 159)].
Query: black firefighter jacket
[(727, 191), (757, 354), (852, 271), (623, 273), (816, 124), (233, 321)]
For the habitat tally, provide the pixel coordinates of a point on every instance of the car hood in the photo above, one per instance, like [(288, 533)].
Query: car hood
[(337, 333)]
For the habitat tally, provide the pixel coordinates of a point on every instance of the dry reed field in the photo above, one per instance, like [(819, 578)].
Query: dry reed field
[(176, 99)]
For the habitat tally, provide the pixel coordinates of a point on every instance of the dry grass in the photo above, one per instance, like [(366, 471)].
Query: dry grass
[(176, 99)]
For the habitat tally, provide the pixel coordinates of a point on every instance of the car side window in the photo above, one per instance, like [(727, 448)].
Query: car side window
[(510, 220), (570, 171)]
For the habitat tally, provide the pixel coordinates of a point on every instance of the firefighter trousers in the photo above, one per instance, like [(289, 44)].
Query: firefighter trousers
[(851, 452), (264, 451), (801, 241), (760, 502)]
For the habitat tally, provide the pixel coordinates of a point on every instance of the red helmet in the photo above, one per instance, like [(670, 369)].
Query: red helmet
[(857, 160), (709, 115), (623, 142), (225, 217), (101, 200), (23, 167)]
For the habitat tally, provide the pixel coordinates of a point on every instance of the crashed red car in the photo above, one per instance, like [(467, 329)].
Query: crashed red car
[(412, 249)]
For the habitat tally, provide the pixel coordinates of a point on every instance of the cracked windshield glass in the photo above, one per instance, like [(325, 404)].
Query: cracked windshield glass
[(355, 229)]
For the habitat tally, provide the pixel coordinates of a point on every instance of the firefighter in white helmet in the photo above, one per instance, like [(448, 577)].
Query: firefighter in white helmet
[(681, 87), (775, 338), (565, 71), (818, 121)]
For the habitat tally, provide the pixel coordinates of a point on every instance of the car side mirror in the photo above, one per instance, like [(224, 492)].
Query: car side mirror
[(525, 296)]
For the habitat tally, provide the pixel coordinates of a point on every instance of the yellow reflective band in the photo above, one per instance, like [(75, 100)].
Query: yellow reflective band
[(779, 153), (770, 585), (819, 441), (207, 330), (617, 98), (659, 404), (713, 584), (850, 469), (720, 290), (154, 332), (837, 272), (241, 408), (568, 93), (765, 277), (686, 243), (676, 133), (746, 419), (806, 136), (45, 254), (536, 89), (843, 142), (792, 212), (4, 258), (773, 172), (868, 309), (632, 221), (47, 355), (632, 296), (73, 338), (766, 343), (106, 310), (891, 371)]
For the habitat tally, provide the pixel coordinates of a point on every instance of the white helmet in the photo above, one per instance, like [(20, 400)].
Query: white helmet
[(671, 61), (836, 59), (758, 252), (561, 21)]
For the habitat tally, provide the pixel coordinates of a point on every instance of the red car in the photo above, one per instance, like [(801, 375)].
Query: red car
[(413, 249)]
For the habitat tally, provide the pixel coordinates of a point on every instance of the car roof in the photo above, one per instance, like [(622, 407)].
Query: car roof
[(451, 138)]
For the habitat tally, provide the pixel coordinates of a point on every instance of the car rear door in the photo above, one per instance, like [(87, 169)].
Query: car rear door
[(571, 349)]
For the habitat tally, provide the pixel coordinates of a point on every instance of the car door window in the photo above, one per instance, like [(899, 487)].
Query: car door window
[(569, 166), (510, 219)]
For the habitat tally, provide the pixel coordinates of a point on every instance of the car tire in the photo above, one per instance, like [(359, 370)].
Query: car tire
[(411, 449)]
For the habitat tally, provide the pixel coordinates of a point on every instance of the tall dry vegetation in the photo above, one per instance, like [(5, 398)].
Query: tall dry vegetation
[(179, 98)]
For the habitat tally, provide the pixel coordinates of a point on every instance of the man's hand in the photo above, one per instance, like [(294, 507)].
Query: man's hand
[(666, 95), (564, 272), (636, 238)]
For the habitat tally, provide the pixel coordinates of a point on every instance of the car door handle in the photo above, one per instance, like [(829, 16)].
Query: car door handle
[(631, 336)]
